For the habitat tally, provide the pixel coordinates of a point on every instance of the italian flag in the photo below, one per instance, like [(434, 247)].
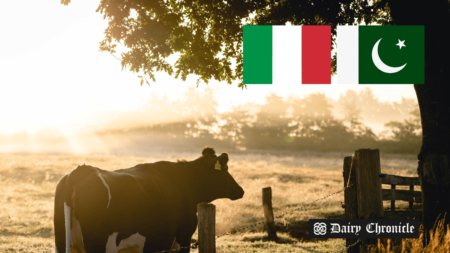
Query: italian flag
[(287, 54), (380, 54)]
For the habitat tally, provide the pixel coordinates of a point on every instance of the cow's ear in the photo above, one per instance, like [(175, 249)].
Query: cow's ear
[(208, 151), (224, 157), (223, 161)]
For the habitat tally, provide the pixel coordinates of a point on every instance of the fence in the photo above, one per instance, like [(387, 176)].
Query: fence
[(363, 196), (207, 213), (393, 194), (366, 200)]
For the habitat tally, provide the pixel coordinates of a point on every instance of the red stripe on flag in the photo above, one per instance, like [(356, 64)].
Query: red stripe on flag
[(316, 54)]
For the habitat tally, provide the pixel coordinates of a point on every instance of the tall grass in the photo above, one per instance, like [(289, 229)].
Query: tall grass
[(439, 240)]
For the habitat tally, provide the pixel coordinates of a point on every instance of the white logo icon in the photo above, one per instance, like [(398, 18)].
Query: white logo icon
[(320, 228)]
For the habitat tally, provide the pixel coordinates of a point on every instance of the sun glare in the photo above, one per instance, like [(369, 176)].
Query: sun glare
[(54, 77)]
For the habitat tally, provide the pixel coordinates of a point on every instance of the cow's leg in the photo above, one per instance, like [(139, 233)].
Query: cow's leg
[(129, 250), (161, 242), (184, 234), (58, 220), (175, 245), (184, 242)]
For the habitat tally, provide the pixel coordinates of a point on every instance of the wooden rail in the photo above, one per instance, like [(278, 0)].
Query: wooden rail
[(398, 180), (406, 195)]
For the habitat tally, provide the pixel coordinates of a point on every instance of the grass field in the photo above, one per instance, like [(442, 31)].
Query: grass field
[(28, 182)]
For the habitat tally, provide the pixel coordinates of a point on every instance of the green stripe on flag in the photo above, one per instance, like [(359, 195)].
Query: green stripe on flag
[(257, 54)]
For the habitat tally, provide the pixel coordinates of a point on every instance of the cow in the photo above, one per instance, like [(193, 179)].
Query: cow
[(147, 208)]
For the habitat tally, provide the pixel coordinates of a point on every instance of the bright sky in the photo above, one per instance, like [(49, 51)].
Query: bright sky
[(52, 73)]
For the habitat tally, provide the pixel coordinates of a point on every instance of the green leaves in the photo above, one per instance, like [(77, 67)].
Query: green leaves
[(208, 34)]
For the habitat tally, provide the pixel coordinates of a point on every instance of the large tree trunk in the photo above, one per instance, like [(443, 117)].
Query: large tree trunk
[(434, 103)]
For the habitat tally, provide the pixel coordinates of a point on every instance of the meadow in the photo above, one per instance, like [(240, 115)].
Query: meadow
[(28, 182)]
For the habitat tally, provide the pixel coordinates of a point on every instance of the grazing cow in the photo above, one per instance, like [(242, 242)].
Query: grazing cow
[(148, 208)]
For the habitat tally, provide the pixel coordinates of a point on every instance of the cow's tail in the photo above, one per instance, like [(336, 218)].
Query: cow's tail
[(74, 177)]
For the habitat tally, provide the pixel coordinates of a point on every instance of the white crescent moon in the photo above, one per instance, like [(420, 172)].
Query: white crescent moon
[(380, 65)]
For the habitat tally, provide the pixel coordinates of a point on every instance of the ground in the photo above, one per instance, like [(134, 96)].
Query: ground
[(28, 182)]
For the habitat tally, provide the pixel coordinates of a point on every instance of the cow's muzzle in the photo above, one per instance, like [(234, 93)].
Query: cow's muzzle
[(238, 194)]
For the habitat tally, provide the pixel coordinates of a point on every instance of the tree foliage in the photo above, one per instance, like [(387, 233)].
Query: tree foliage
[(206, 35), (308, 123), (410, 130)]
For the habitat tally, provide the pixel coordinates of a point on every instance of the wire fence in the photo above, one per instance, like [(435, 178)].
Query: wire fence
[(194, 245), (282, 215), (349, 246)]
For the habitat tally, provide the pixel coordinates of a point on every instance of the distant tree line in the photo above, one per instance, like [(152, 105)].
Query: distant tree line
[(314, 122)]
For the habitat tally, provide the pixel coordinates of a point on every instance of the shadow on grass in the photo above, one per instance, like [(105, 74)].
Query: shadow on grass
[(259, 238), (300, 229)]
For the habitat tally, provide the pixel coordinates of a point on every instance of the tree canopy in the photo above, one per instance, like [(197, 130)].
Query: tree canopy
[(206, 35)]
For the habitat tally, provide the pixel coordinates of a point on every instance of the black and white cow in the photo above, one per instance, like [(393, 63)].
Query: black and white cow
[(150, 207)]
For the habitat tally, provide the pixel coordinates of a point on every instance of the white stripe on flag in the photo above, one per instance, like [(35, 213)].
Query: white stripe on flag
[(347, 55), (287, 54)]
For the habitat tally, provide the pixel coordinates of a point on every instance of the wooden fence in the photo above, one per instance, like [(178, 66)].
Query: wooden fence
[(207, 221), (368, 183), (406, 195), (365, 199), (206, 228)]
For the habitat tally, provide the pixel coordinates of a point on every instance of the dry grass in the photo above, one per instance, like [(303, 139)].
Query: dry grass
[(439, 241), (28, 181)]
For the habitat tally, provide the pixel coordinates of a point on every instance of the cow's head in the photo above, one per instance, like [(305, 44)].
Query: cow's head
[(212, 180)]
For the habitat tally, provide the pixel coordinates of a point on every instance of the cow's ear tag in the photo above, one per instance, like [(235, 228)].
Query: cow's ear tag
[(217, 166)]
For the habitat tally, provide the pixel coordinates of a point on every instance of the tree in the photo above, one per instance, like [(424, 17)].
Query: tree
[(198, 111), (273, 111), (207, 36), (314, 125), (271, 124), (409, 130), (352, 117), (236, 121)]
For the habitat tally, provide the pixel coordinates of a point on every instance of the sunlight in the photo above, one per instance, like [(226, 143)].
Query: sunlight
[(68, 83)]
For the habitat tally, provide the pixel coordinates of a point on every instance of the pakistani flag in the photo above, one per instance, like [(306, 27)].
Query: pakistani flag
[(287, 54), (380, 55)]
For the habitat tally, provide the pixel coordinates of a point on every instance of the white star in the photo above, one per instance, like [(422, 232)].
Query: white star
[(401, 44)]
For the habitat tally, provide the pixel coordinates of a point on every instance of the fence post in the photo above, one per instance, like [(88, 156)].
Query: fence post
[(268, 213), (350, 198), (393, 198), (206, 228), (370, 201), (411, 203)]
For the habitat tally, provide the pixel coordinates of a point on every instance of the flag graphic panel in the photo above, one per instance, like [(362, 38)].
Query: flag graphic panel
[(316, 49), (391, 55), (380, 54), (287, 54), (347, 54), (257, 50)]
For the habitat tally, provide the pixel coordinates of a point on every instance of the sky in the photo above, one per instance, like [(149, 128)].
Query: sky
[(52, 73)]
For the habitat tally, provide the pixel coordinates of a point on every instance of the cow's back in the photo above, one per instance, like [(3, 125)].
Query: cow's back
[(116, 205)]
